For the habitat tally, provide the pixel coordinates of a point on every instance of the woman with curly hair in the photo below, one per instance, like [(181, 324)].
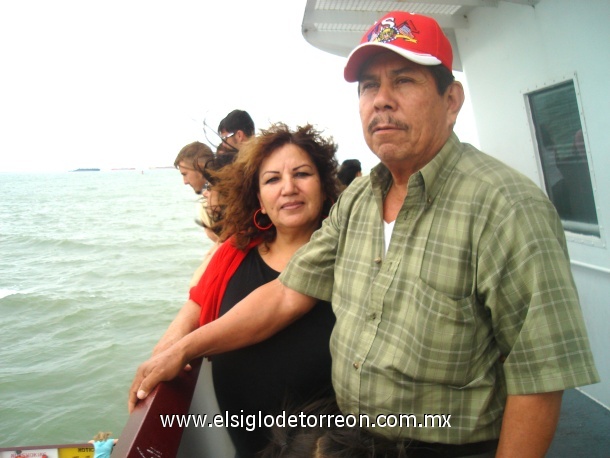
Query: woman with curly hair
[(277, 192)]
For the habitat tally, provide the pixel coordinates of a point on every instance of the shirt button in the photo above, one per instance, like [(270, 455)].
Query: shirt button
[(356, 365), (378, 260), (372, 316)]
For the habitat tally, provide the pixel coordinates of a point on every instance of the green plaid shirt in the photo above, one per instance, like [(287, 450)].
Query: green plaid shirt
[(477, 272)]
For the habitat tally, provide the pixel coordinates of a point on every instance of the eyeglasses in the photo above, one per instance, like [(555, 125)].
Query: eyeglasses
[(224, 138)]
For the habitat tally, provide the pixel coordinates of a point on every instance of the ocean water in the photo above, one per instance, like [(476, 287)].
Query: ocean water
[(93, 267)]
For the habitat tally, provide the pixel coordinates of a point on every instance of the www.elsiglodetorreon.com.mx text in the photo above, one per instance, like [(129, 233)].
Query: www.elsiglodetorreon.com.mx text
[(253, 421)]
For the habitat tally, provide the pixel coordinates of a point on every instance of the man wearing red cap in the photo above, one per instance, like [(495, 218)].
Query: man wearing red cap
[(448, 273)]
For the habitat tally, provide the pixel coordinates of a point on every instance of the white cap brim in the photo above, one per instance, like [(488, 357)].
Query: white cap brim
[(364, 51)]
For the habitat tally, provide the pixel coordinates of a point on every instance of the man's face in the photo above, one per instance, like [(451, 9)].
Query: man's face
[(229, 140), (192, 177), (404, 119)]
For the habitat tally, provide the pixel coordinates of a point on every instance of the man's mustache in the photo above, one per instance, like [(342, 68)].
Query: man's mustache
[(389, 120)]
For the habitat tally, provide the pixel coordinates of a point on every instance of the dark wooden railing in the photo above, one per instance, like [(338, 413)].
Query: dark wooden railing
[(144, 434)]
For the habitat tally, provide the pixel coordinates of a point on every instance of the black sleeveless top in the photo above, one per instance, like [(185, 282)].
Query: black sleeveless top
[(289, 369)]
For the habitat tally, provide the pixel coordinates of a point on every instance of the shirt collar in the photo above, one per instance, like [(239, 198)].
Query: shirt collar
[(434, 174)]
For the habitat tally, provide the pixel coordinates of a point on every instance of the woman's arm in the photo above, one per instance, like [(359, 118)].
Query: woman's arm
[(264, 312), (185, 322)]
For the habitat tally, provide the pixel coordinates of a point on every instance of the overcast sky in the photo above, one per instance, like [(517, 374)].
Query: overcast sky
[(123, 83)]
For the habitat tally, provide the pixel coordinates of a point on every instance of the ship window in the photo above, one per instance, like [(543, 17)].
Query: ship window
[(563, 156)]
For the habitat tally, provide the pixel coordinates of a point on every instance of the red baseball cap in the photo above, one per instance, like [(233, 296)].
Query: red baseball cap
[(415, 37)]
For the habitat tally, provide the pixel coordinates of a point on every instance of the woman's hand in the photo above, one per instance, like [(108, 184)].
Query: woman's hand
[(162, 367)]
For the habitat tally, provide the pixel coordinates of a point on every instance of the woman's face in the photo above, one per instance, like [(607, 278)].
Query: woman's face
[(212, 203), (290, 190)]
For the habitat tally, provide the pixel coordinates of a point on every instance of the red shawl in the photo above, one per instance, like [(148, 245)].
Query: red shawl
[(210, 290)]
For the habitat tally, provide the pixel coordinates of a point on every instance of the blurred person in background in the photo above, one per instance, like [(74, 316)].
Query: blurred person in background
[(235, 129), (190, 162), (350, 169), (103, 444), (212, 210)]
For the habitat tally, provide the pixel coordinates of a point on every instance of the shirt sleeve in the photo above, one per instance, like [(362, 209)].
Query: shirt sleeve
[(527, 285), (311, 269)]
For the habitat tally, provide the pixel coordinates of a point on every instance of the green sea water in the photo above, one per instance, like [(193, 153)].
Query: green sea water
[(93, 267)]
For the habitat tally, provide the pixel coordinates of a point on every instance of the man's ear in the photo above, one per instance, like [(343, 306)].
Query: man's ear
[(240, 136), (454, 97)]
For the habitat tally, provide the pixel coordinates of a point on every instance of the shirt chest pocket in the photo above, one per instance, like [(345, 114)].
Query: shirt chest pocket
[(437, 335)]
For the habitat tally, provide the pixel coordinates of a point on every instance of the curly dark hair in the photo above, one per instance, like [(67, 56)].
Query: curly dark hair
[(330, 441), (238, 183)]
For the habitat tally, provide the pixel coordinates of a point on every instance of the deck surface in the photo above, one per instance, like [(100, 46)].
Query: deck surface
[(583, 430)]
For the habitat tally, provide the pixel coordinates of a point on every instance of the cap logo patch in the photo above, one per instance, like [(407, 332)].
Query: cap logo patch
[(387, 31)]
